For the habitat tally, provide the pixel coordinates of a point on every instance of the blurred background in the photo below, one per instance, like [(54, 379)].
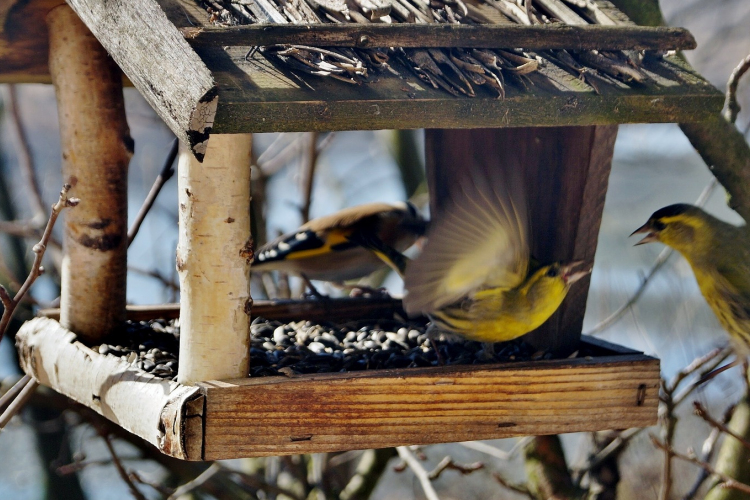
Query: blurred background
[(654, 165)]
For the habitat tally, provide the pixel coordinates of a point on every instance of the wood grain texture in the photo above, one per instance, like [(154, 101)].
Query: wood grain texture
[(319, 413), (152, 408), (24, 44), (96, 150), (213, 259), (548, 36), (159, 62), (566, 171)]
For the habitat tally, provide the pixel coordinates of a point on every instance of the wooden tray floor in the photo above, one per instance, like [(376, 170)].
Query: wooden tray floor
[(615, 388)]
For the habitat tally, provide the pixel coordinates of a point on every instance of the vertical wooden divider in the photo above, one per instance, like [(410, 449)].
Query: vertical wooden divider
[(96, 150), (566, 172), (213, 255)]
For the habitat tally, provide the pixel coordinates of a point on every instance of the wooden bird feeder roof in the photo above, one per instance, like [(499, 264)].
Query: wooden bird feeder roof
[(198, 78)]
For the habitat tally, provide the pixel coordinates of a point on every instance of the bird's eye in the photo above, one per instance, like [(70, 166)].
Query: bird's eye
[(658, 225), (552, 272)]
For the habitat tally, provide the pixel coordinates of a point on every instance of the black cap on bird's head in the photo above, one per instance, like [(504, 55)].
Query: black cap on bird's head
[(655, 224)]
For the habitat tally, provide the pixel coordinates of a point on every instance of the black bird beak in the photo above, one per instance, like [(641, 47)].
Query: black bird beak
[(651, 236)]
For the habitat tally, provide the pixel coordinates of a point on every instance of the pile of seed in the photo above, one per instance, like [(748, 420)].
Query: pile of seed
[(151, 346), (300, 347), (306, 347)]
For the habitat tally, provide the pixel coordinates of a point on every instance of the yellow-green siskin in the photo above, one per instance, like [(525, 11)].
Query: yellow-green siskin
[(474, 276), (348, 244), (719, 254)]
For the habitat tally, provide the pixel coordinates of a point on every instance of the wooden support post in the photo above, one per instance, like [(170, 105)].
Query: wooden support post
[(213, 260), (567, 170), (96, 150)]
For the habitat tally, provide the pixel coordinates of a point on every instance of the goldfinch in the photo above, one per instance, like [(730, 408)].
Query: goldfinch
[(718, 253), (474, 277), (348, 244)]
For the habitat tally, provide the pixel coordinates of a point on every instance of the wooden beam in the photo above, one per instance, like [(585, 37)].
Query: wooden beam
[(213, 260), (96, 150), (159, 62), (567, 170), (160, 411), (540, 36), (383, 408)]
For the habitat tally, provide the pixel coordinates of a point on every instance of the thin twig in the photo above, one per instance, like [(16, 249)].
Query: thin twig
[(11, 393), (25, 159), (731, 105), (492, 451), (448, 463), (309, 175), (256, 482), (661, 259), (518, 488), (727, 481), (614, 447), (136, 478), (120, 469), (195, 483), (702, 413), (419, 471), (18, 402), (707, 452), (167, 171), (36, 268)]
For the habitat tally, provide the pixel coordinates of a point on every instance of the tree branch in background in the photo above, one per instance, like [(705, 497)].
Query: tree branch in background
[(702, 413), (121, 469), (25, 160), (369, 469), (9, 303), (22, 391), (424, 479), (547, 471), (311, 161), (731, 105), (726, 481), (166, 173)]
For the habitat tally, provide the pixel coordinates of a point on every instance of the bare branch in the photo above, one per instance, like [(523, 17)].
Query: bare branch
[(120, 469), (448, 463), (196, 483), (36, 268), (166, 173), (707, 452), (487, 449), (702, 413), (727, 481), (518, 488), (419, 471), (25, 160), (18, 402), (731, 105)]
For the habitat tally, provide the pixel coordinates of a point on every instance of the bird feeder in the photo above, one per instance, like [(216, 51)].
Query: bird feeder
[(213, 90)]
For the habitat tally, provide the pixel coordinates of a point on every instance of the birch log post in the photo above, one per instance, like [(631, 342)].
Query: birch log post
[(96, 150), (213, 260)]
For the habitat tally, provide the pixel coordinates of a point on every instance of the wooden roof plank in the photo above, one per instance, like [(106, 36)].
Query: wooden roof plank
[(549, 36), (257, 96)]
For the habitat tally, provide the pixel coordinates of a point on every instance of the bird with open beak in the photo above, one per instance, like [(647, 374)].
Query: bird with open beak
[(718, 253)]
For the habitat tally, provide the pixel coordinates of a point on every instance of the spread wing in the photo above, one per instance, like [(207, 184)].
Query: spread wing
[(478, 240)]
